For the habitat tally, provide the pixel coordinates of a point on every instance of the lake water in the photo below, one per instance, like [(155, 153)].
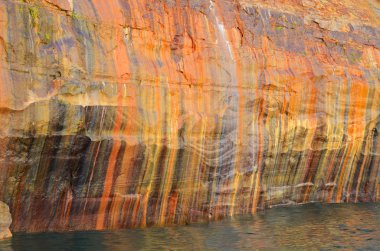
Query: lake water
[(305, 227)]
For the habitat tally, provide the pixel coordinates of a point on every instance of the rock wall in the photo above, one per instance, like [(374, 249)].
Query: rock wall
[(125, 113)]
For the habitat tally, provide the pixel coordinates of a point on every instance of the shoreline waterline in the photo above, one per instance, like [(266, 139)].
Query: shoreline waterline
[(316, 225)]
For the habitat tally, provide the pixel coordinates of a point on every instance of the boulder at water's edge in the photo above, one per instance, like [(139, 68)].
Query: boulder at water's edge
[(5, 221)]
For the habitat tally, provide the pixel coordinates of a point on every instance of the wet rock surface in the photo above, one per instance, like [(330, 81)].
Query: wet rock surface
[(128, 113)]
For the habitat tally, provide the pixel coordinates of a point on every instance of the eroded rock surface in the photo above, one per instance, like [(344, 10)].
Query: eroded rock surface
[(125, 113), (5, 221)]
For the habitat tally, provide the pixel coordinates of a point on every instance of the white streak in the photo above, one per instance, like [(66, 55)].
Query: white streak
[(221, 29), (71, 4)]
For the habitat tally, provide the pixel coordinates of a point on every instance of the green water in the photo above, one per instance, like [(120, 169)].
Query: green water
[(307, 227)]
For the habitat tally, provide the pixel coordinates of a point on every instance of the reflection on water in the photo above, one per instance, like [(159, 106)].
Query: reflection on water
[(316, 226)]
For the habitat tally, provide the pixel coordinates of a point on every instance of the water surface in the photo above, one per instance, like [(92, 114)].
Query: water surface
[(306, 227)]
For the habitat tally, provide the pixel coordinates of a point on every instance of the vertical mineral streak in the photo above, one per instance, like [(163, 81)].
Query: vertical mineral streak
[(232, 92), (222, 38)]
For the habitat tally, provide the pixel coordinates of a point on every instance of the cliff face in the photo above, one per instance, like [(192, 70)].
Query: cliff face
[(124, 113)]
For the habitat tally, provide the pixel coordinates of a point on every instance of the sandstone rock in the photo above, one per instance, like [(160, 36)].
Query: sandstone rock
[(125, 113), (5, 221)]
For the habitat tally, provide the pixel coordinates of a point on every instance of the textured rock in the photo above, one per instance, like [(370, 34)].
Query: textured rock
[(125, 113), (5, 221)]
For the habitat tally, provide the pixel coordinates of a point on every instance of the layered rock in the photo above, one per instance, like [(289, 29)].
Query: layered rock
[(127, 113), (5, 221)]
